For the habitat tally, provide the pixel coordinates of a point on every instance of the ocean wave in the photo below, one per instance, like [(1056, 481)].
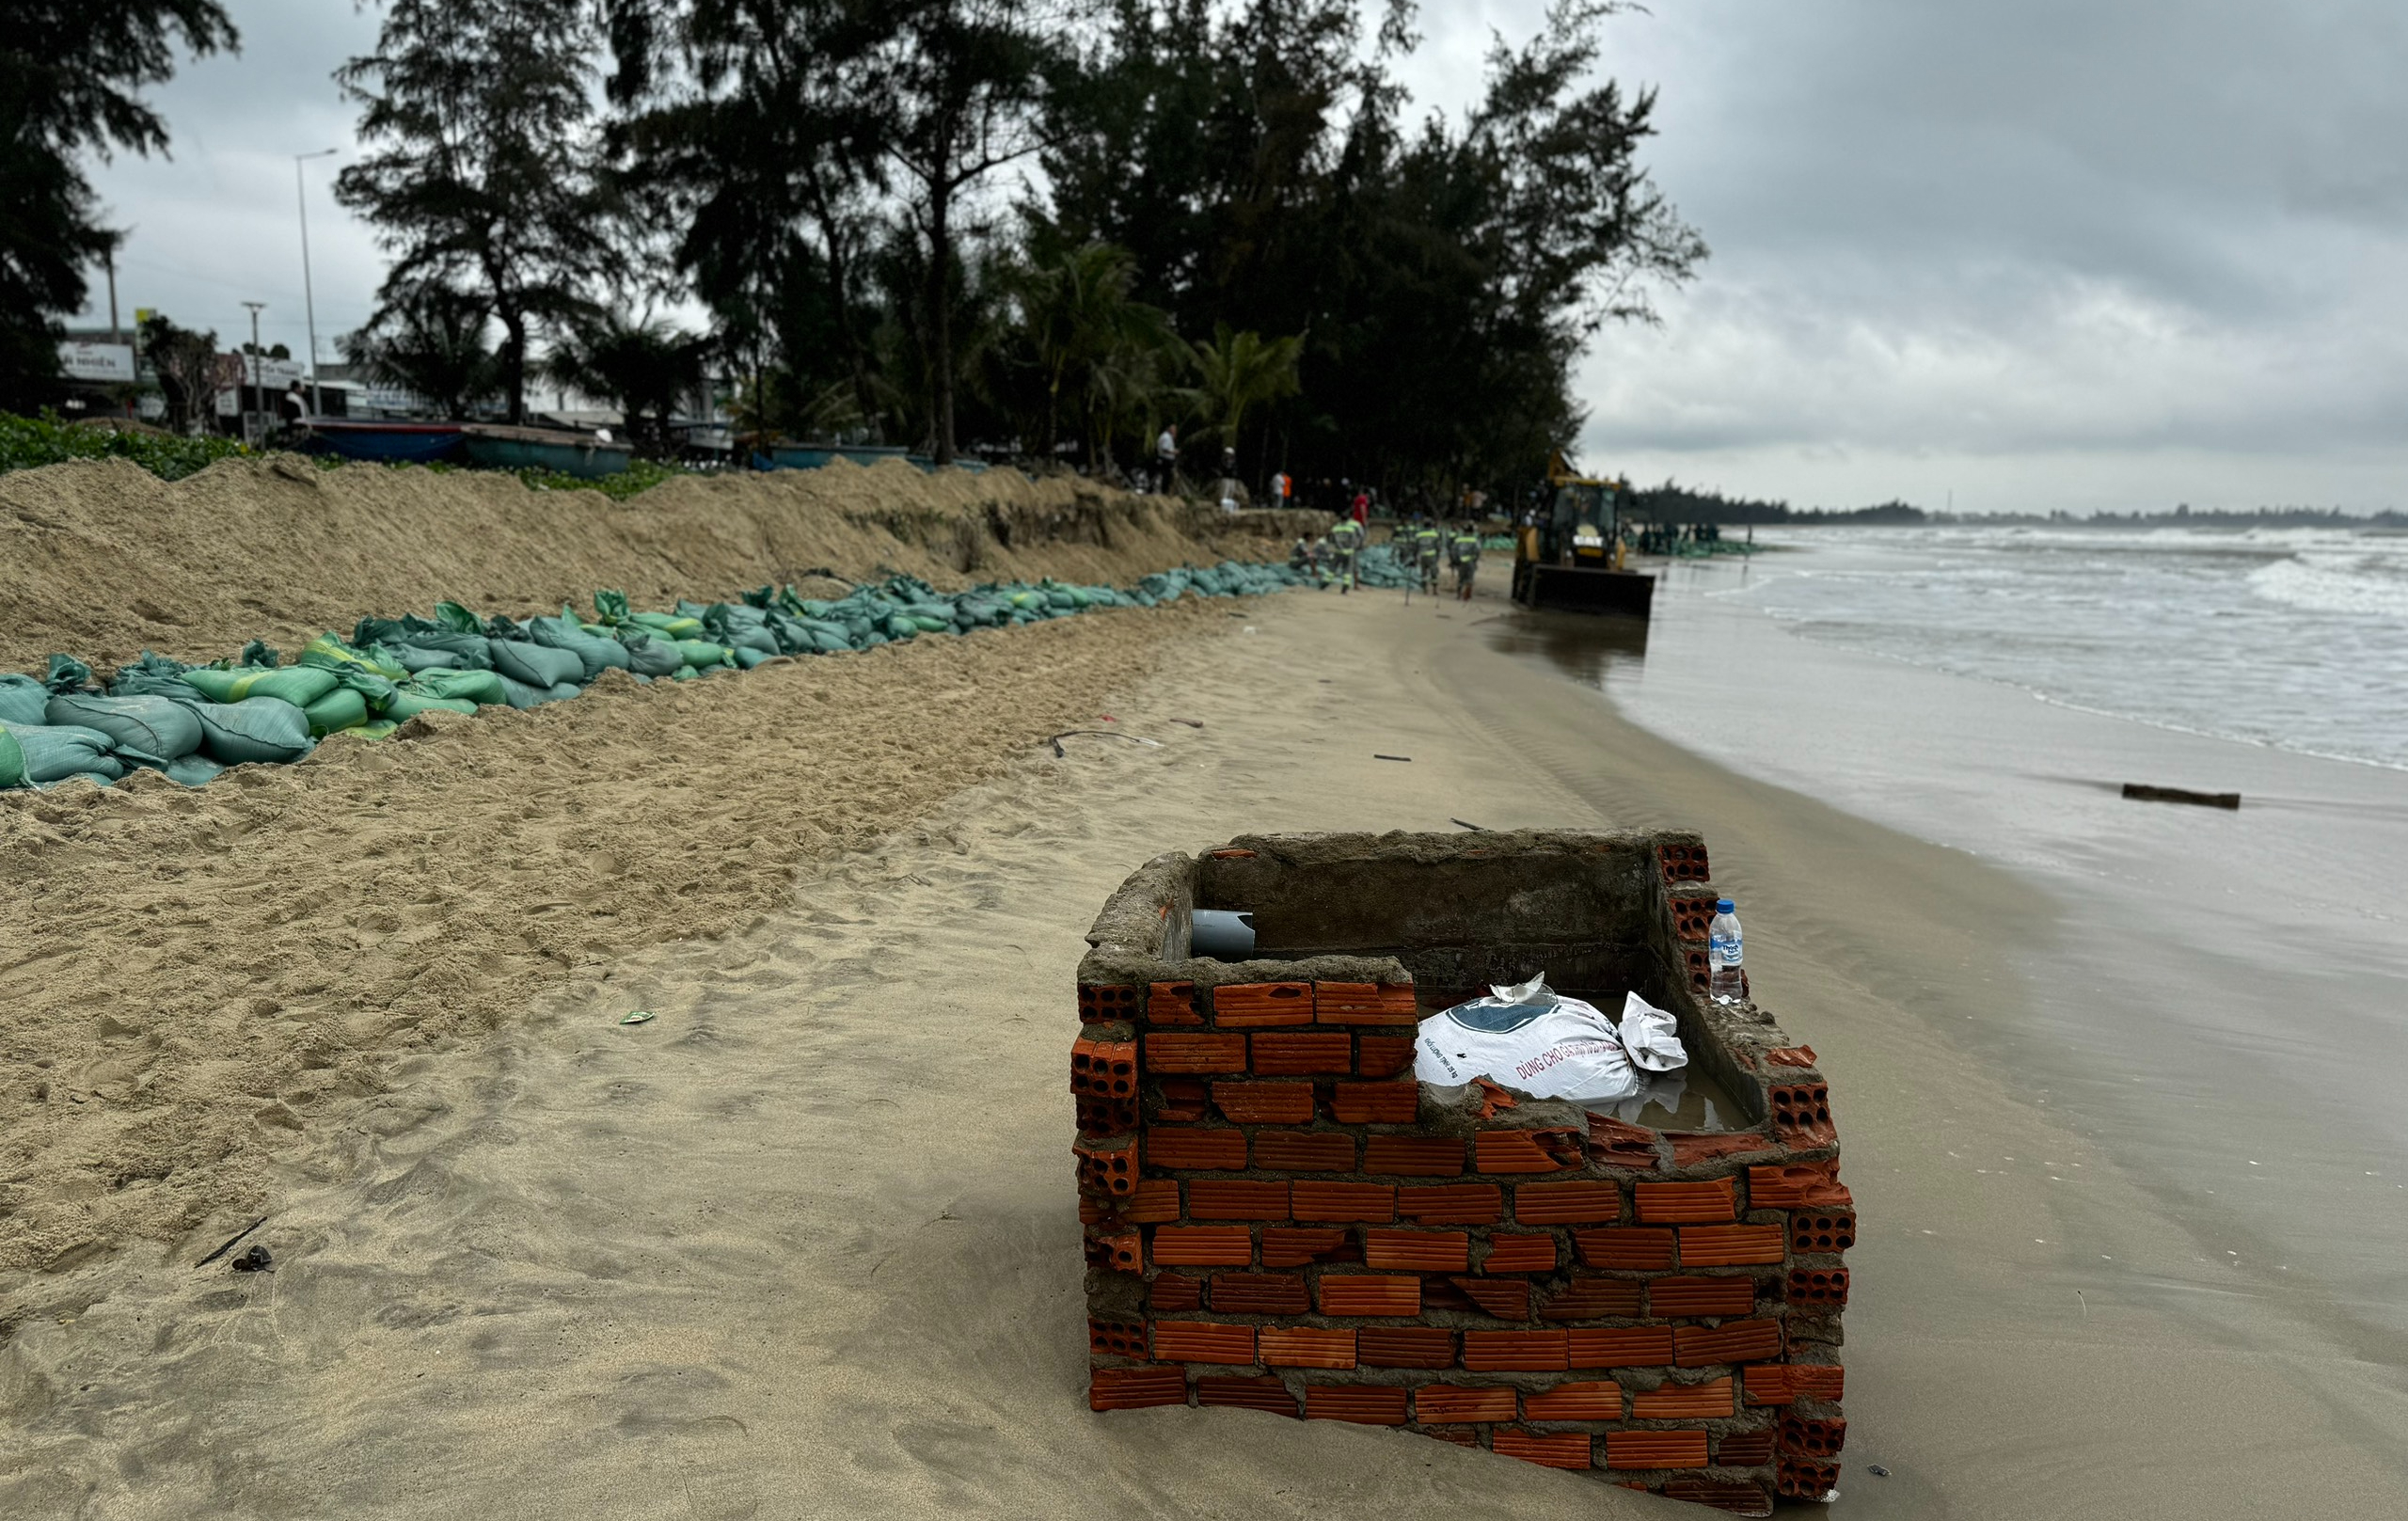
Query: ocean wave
[(2367, 583)]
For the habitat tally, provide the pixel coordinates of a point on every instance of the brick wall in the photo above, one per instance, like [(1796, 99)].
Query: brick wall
[(1278, 1218)]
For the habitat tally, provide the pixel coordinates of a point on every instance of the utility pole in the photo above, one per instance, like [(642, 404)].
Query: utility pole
[(259, 403), (108, 261), (309, 300)]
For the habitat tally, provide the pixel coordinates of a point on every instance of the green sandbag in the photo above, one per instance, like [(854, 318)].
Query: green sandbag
[(149, 726), (520, 694), (153, 675), (414, 657), (340, 709), (746, 659), (536, 665), (331, 652), (610, 607), (595, 654), (409, 702), (254, 729), (458, 619), (381, 729), (193, 770), (649, 655), (700, 653), (54, 752), (473, 685), (12, 760), (23, 700), (669, 623), (299, 685)]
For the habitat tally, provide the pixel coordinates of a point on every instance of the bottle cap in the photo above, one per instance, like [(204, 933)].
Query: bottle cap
[(1723, 905)]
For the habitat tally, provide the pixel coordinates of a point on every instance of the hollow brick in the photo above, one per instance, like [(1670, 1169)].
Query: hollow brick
[(1700, 1203), (1210, 1198), (1566, 1204), (1251, 1005), (1560, 1449), (1364, 1405), (1301, 1346)]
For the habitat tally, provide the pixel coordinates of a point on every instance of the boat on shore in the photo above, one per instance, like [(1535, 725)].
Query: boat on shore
[(391, 443), (496, 446), (812, 456)]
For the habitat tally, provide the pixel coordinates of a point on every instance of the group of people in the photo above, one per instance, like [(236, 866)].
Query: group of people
[(1423, 542)]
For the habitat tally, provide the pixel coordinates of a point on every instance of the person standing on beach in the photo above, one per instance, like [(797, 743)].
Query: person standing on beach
[(1346, 539), (1466, 547), (1427, 544), (1166, 454)]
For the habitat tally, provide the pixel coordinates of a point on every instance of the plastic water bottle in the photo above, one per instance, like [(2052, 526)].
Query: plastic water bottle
[(1723, 953)]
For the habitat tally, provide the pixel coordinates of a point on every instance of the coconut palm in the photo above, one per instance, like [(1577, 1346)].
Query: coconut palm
[(1239, 371)]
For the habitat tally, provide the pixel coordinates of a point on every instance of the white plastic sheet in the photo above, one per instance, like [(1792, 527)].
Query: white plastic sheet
[(1532, 1039)]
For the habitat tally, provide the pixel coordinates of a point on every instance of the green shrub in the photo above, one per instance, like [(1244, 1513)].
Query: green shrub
[(26, 442)]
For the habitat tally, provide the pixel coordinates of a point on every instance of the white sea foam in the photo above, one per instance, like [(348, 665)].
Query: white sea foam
[(2367, 582)]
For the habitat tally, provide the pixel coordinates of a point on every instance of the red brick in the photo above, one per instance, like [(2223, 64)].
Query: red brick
[(1211, 1199), (1692, 1298), (1299, 1346), (1488, 1352), (1508, 1299), (1801, 1115), (1117, 1339), (1656, 1449), (1366, 1405), (1818, 1286), (1465, 1204), (1134, 1388), (1298, 1053), (1769, 1383), (1183, 1101), (1418, 1251), (1202, 1247), (1361, 1294), (1184, 1051), (1102, 1002), (1265, 1104), (1682, 862), (1595, 1400), (1618, 1145), (1685, 1401), (1745, 1449), (1203, 1342), (1415, 1346), (1413, 1156), (1260, 1293), (1672, 1204), (1103, 1083), (1251, 1005), (1798, 1186), (1817, 1232), (1512, 1152), (1732, 1245), (1630, 1248), (1376, 1103), (1733, 1342), (1172, 1002), (1246, 1393), (1693, 917), (1519, 1254), (1214, 1151), (1296, 1245), (1384, 1055), (1108, 1169), (1690, 1148), (1373, 1202), (1739, 1499), (1818, 1381), (1592, 1299), (1175, 1291), (1155, 1201), (1803, 1479), (1117, 1253), (1559, 1204), (1364, 1002), (1463, 1402), (1562, 1449), (1619, 1346), (1812, 1437), (1791, 1057), (1304, 1151)]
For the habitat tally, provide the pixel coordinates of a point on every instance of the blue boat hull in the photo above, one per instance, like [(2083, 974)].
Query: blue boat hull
[(585, 461), (417, 443)]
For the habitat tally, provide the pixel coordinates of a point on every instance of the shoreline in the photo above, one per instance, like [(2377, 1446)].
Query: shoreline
[(806, 1241)]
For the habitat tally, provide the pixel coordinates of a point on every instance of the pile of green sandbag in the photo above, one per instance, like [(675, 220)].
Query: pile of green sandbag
[(193, 722), (1379, 564)]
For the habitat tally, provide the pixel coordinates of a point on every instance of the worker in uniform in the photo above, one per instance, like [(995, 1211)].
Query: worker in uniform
[(1427, 544), (1301, 556), (1346, 542), (1466, 547)]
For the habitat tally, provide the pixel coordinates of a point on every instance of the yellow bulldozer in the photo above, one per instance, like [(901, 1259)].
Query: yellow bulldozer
[(1571, 559)]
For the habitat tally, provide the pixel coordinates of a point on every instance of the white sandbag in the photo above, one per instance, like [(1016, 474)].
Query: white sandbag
[(1532, 1039)]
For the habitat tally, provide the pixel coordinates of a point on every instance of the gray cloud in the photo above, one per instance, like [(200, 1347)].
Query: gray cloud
[(2049, 254)]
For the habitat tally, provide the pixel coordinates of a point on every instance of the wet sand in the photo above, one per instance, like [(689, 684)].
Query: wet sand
[(805, 1244)]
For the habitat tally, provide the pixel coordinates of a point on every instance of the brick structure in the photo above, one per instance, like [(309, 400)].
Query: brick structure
[(1277, 1217)]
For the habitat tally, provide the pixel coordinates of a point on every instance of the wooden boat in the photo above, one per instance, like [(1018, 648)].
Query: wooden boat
[(812, 456), (417, 443), (496, 446)]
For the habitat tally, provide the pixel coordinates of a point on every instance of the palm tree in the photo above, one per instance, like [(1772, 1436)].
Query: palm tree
[(1094, 348), (430, 342), (645, 367), (1238, 372)]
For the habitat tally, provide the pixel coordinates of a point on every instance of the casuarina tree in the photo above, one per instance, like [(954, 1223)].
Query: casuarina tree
[(71, 76), (483, 178)]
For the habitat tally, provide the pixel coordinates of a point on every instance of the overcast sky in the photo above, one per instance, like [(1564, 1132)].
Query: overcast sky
[(2049, 254)]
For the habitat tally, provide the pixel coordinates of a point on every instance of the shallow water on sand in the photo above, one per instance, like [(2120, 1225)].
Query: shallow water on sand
[(2222, 1007)]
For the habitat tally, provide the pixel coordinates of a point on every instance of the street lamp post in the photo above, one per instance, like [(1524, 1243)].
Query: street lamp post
[(309, 300), (258, 401)]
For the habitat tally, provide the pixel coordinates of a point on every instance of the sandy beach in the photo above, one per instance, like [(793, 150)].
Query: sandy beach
[(805, 1244)]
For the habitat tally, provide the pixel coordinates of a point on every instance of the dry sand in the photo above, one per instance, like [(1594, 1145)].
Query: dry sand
[(805, 1245), (103, 560)]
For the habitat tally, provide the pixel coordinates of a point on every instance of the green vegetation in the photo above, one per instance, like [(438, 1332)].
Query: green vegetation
[(25, 442)]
